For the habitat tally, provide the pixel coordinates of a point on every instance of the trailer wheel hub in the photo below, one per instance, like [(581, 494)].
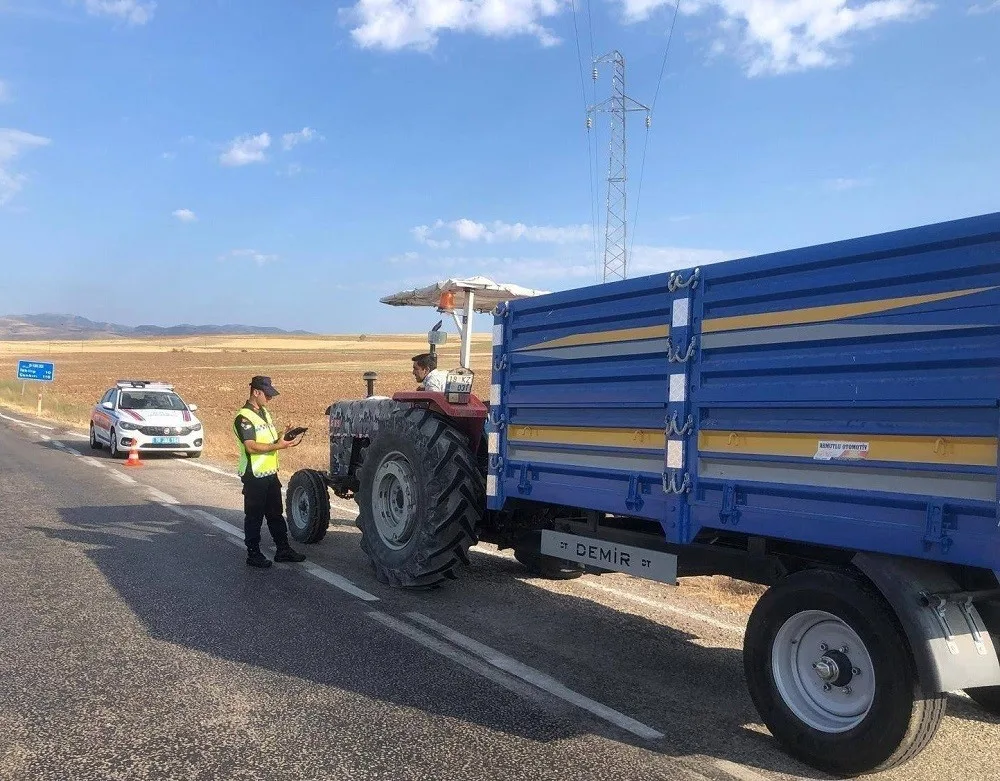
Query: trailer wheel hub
[(394, 501), (823, 671)]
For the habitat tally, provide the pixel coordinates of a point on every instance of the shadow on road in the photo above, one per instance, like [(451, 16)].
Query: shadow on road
[(188, 585)]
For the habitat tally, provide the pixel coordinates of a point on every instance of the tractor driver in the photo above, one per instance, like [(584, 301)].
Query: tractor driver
[(428, 375)]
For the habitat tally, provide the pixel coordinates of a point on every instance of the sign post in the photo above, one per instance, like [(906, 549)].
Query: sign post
[(40, 371)]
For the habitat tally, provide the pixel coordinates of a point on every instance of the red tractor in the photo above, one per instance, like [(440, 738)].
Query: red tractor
[(416, 464)]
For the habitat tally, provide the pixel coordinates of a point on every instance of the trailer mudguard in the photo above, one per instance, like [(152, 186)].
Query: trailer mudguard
[(950, 644)]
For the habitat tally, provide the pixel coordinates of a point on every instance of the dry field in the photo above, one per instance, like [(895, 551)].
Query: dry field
[(214, 373)]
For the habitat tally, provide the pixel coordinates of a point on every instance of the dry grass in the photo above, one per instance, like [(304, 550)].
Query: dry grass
[(724, 590), (214, 373)]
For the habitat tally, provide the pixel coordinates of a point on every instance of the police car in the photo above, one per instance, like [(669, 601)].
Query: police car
[(147, 414)]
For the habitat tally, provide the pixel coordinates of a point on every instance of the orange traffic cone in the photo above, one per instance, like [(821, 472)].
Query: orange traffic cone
[(133, 455)]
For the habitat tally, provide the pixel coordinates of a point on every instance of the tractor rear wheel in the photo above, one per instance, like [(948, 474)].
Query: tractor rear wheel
[(420, 498), (308, 501)]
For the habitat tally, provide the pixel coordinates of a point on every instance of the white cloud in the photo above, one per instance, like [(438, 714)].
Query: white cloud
[(842, 184), (498, 231), (12, 144), (303, 136), (393, 25), (246, 149), (259, 258), (185, 215), (553, 273), (781, 36), (984, 8), (131, 11)]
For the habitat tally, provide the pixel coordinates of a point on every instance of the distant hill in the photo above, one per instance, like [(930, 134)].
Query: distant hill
[(58, 326)]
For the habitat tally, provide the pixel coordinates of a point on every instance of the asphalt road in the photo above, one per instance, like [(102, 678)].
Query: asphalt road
[(135, 644)]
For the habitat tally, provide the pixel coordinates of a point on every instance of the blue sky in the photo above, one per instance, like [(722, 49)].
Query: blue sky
[(288, 163)]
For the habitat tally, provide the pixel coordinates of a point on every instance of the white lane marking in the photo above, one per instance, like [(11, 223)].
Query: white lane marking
[(338, 581), (122, 478), (332, 578), (160, 496), (658, 605), (450, 652), (210, 468), (218, 523), (77, 436), (738, 771), (341, 504), (46, 437), (177, 510), (538, 678), (92, 462), (27, 423)]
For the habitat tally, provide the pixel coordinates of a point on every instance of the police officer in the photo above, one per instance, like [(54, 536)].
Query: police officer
[(258, 468)]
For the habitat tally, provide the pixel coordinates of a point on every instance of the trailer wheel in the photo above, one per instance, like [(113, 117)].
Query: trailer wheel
[(420, 498), (988, 697), (832, 676), (308, 501)]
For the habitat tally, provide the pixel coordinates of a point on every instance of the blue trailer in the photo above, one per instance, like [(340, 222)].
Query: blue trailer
[(823, 421)]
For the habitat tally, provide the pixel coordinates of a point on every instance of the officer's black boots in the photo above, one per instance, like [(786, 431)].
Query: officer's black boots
[(287, 554), (257, 559)]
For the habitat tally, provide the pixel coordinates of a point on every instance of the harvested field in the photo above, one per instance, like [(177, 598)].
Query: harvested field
[(310, 373)]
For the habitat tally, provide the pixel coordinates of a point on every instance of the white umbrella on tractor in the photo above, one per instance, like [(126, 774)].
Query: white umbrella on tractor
[(466, 296)]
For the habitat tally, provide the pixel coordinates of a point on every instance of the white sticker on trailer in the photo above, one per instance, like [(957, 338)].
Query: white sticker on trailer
[(678, 384), (828, 450), (681, 312), (651, 565)]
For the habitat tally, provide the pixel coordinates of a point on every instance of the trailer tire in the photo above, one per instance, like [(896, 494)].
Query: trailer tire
[(421, 500), (873, 714), (988, 697), (308, 505)]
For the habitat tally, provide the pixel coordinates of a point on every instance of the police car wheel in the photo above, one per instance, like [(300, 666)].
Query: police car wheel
[(94, 443)]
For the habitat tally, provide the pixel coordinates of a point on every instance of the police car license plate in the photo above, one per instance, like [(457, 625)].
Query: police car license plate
[(652, 565), (166, 440)]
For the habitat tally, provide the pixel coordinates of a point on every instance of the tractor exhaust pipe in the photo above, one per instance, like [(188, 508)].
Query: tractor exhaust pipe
[(369, 378)]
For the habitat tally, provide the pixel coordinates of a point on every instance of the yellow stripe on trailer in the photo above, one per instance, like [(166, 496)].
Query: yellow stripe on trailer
[(820, 314), (603, 337), (916, 449), (645, 438)]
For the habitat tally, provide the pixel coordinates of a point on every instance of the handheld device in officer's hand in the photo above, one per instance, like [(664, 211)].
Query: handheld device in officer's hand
[(295, 432)]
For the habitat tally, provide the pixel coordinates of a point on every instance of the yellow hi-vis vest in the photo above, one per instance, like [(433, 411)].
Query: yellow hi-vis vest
[(262, 464)]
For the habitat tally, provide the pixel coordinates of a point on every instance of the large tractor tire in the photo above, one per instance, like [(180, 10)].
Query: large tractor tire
[(421, 500), (988, 697), (833, 678), (308, 504)]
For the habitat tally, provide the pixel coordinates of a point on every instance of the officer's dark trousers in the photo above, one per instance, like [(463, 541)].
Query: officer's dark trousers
[(262, 499)]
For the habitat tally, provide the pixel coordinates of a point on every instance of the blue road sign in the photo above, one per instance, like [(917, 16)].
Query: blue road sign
[(35, 370)]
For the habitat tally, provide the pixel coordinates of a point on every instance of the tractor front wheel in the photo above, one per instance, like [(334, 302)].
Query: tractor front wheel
[(420, 498), (308, 501)]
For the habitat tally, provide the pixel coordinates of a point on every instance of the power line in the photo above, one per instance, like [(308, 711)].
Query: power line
[(616, 219), (656, 94), (590, 162)]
